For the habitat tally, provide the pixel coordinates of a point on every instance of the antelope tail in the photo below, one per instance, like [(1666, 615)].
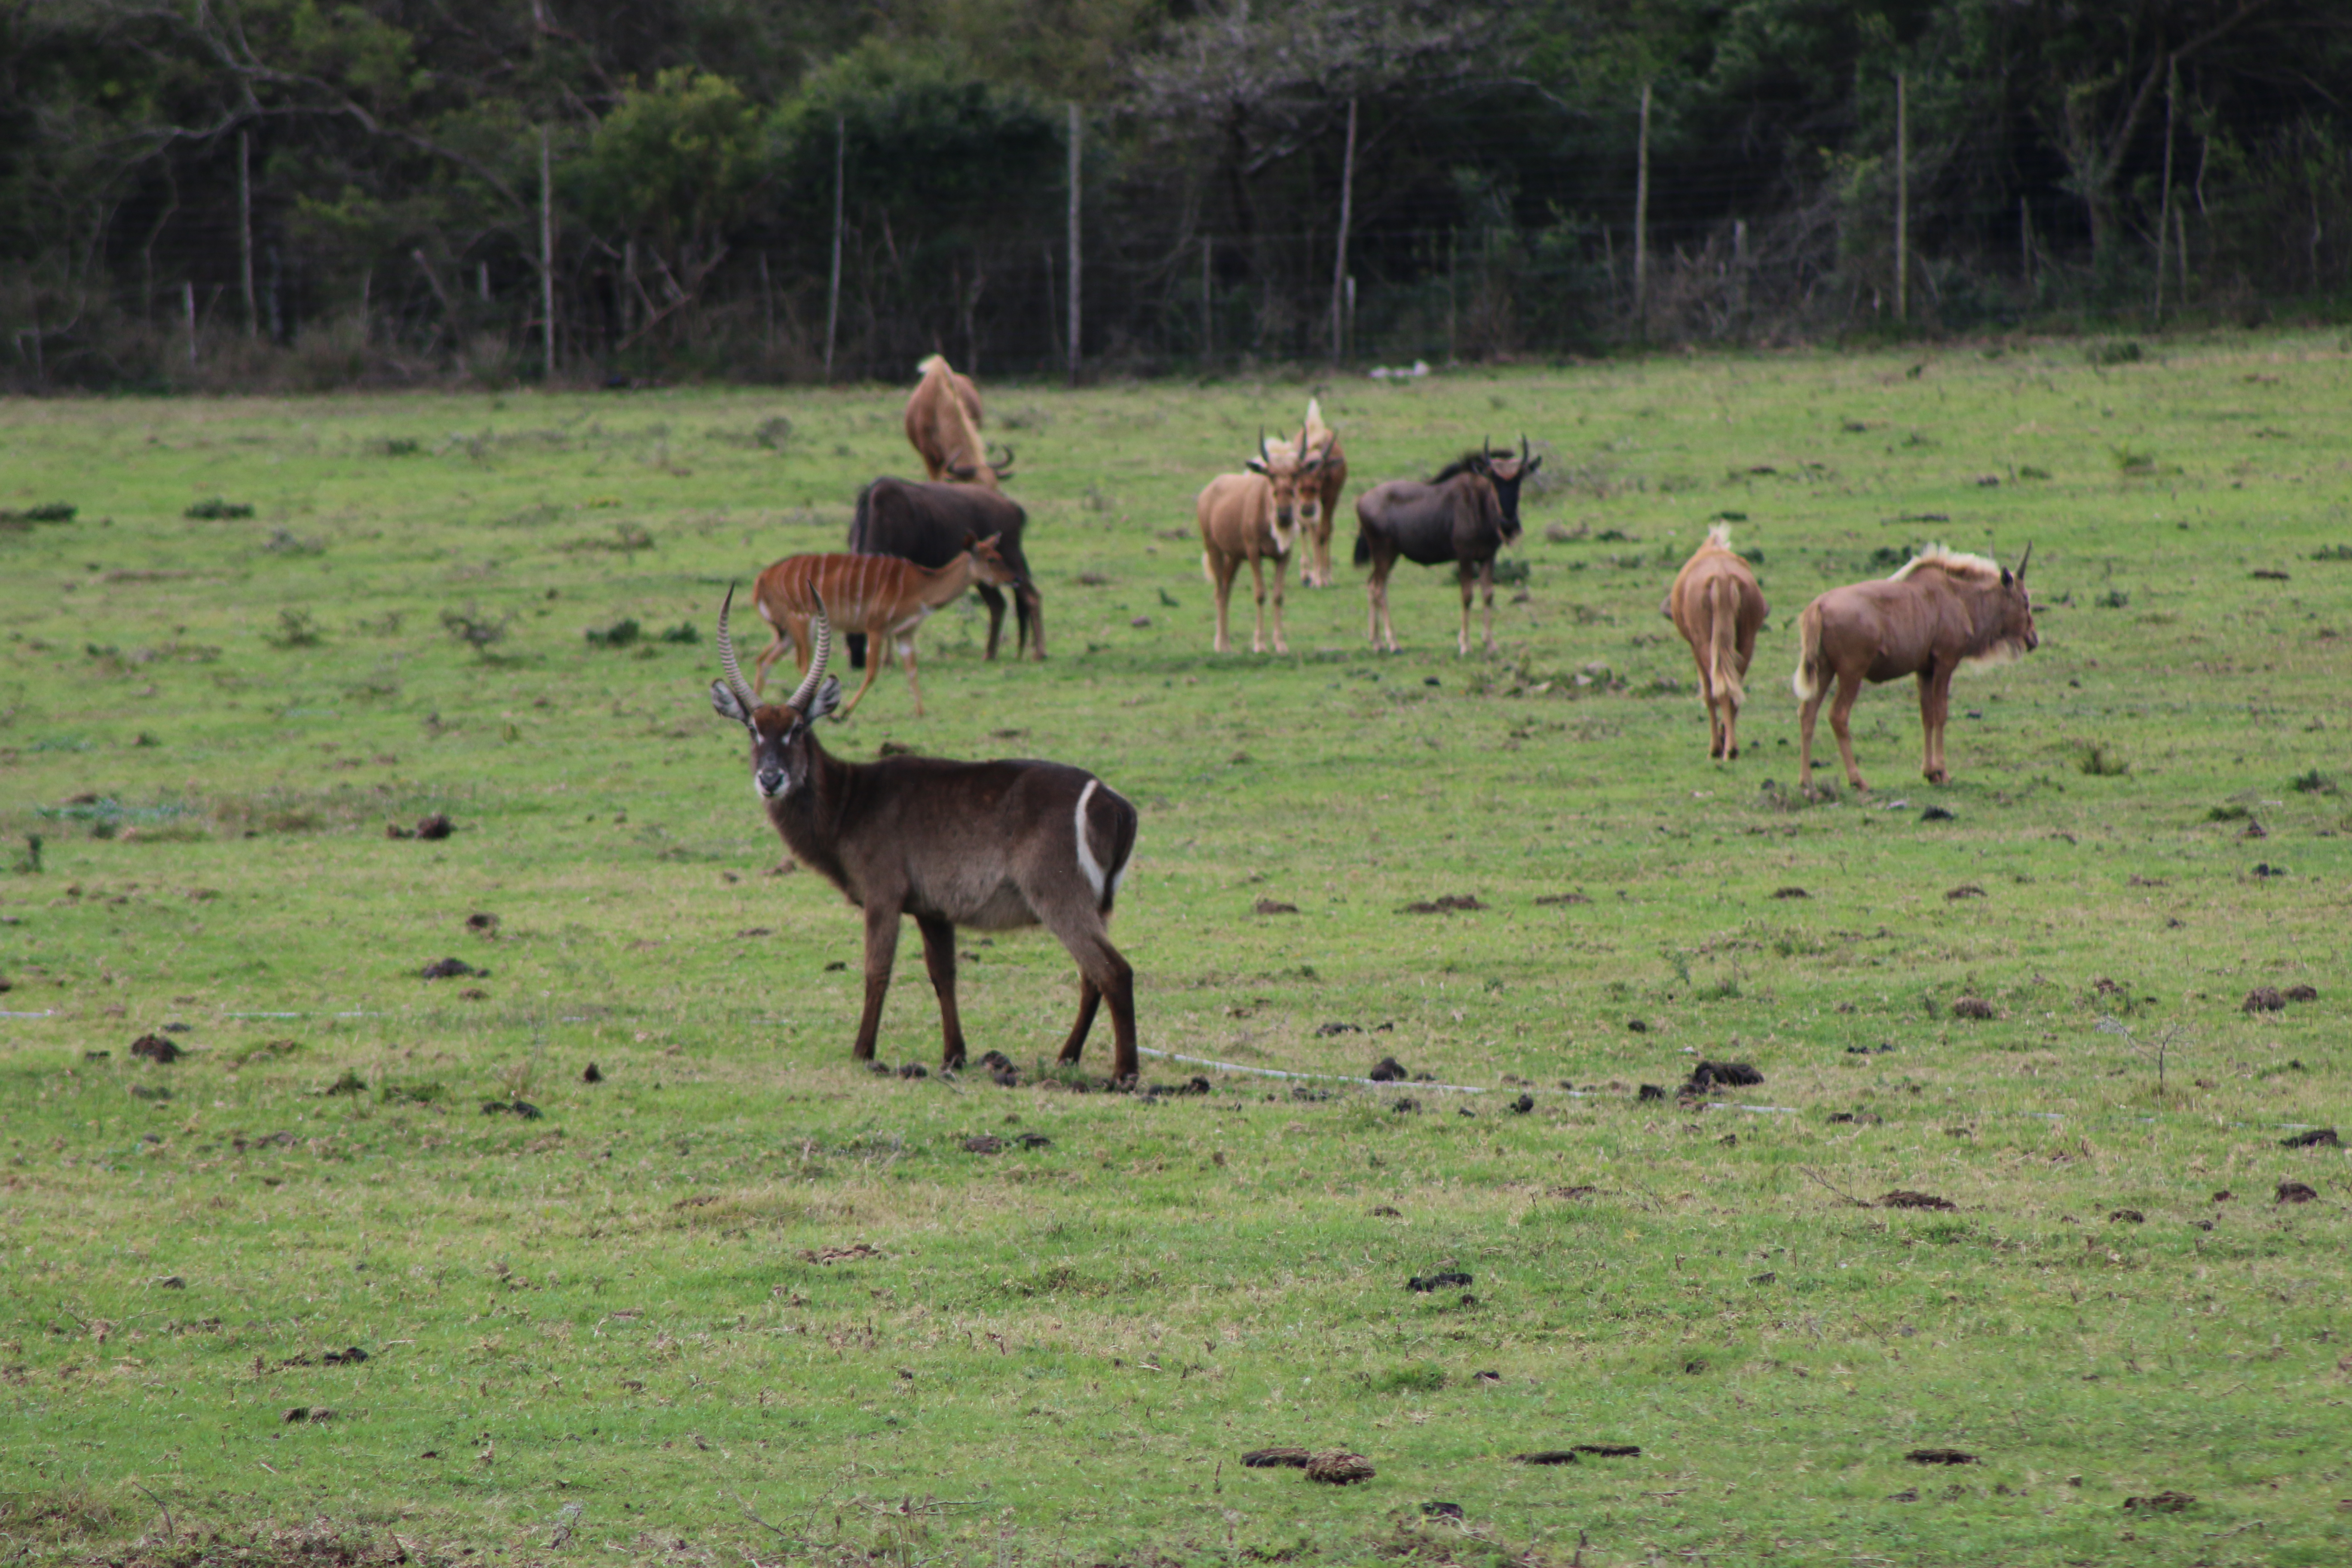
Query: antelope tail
[(1723, 650), (1363, 549), (1207, 570), (1809, 682)]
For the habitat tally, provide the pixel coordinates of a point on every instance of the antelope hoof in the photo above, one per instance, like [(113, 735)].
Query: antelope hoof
[(1732, 756), (1934, 775)]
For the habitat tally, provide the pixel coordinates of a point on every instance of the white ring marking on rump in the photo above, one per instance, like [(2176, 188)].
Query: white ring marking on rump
[(1087, 861)]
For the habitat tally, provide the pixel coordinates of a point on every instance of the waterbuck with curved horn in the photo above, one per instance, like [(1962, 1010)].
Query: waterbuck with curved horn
[(1940, 611), (986, 845)]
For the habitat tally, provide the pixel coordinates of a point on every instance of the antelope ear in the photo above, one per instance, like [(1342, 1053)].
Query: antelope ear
[(2006, 579), (1533, 464), (1256, 465), (728, 704), (827, 699)]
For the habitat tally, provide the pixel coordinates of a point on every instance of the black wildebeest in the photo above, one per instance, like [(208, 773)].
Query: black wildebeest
[(1463, 515), (991, 845), (929, 525), (1940, 611)]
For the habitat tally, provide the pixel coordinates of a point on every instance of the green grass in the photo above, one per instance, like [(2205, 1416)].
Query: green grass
[(1058, 1354)]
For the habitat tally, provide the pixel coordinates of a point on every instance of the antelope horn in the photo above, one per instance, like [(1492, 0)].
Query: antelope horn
[(1523, 445), (1263, 455), (727, 665), (800, 699), (1002, 465), (2022, 560)]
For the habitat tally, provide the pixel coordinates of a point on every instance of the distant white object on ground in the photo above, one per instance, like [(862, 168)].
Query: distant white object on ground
[(1398, 372)]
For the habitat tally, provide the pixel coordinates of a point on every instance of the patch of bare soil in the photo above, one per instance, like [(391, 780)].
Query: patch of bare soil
[(1276, 906), (2301, 994), (1965, 890), (1972, 1007), (1445, 1282), (2263, 999), (2126, 1216), (156, 1049), (453, 968), (1611, 1450), (1901, 1199), (2295, 1193), (484, 923), (1444, 904), (2162, 1502), (858, 1252), (1546, 1456), (1550, 899)]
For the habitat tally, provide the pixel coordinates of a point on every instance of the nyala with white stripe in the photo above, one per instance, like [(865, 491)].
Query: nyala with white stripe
[(986, 845)]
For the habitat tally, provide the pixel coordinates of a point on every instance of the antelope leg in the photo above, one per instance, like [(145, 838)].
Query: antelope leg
[(1089, 998), (881, 948), (939, 958), (1848, 689)]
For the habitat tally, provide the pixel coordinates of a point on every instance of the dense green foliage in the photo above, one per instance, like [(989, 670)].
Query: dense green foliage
[(245, 634), (2059, 155)]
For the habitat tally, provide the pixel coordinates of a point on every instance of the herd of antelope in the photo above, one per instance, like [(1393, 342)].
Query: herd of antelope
[(1014, 843)]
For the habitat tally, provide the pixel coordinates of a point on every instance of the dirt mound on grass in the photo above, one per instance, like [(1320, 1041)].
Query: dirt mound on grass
[(1901, 1199), (1940, 1456)]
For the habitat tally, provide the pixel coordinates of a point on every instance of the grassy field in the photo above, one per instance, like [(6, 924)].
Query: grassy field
[(742, 1298)]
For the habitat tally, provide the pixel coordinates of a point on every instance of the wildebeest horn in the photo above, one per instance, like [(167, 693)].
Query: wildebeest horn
[(1003, 466), (1523, 445), (816, 676), (2022, 560), (727, 665)]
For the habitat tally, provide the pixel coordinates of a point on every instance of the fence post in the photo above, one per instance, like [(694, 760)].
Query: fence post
[(1902, 203), (2164, 211), (1339, 256), (546, 259), (244, 230), (1208, 341), (1642, 224), (1077, 129), (188, 306), (833, 295)]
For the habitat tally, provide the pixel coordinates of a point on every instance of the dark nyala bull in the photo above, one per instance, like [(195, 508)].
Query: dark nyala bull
[(990, 845)]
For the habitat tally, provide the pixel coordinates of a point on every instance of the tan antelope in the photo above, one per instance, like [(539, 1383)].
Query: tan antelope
[(1941, 610), (991, 845), (1318, 503), (1247, 518), (1717, 607), (943, 426), (882, 596)]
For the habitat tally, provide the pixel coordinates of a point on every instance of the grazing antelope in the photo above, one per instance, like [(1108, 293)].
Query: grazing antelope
[(943, 426), (928, 524), (1717, 606), (1940, 611), (991, 845), (1463, 515), (1319, 505), (882, 596), (1248, 516)]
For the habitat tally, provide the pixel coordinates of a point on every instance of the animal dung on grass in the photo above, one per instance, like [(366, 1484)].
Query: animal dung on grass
[(1611, 1450), (1791, 893), (1937, 814), (1446, 1509), (1940, 1456), (485, 923), (1902, 1199), (1546, 1456), (1388, 1070), (1550, 899), (1965, 890), (436, 826), (1737, 1074), (1405, 1107), (350, 1356), (1445, 1282), (156, 1049), (1972, 1007), (2301, 994), (1338, 1467), (856, 1252), (1276, 1458), (2126, 1216), (1651, 1091), (2317, 1137), (1276, 906), (2295, 1193), (983, 1143), (592, 1074), (311, 1414), (2263, 999), (520, 1110), (1444, 904), (1522, 1105), (2166, 1501), (453, 968)]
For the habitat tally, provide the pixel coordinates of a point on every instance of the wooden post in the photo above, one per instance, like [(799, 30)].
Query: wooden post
[(546, 259), (1642, 224), (833, 295), (768, 301), (188, 308), (2180, 229), (367, 326), (1453, 267), (2164, 207), (1071, 346), (2025, 239), (1346, 216), (244, 230), (1739, 270), (1208, 318), (1349, 346), (1902, 203)]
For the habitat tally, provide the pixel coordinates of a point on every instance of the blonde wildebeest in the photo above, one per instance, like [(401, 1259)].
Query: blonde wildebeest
[(943, 426), (1941, 611), (1250, 517), (1717, 607), (1318, 503)]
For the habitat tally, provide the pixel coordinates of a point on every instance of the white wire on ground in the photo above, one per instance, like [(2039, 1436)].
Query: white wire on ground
[(1323, 1077)]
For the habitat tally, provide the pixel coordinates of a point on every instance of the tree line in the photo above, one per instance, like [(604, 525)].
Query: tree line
[(216, 193)]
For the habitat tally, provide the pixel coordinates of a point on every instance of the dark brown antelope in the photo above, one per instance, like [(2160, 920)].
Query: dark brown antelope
[(1941, 611), (1717, 606), (991, 845)]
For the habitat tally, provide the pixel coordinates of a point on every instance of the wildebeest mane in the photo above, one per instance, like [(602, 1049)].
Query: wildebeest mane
[(1461, 465), (1952, 564)]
